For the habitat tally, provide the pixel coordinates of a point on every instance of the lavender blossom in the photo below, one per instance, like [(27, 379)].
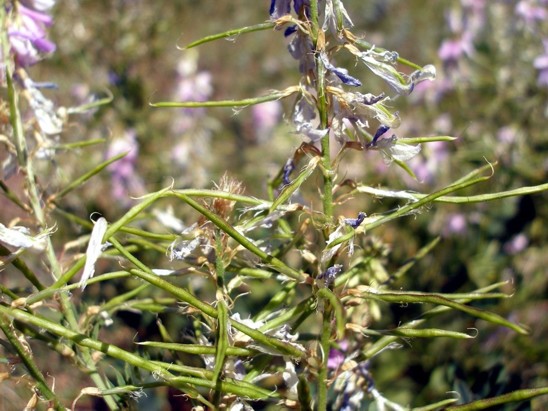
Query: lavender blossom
[(456, 224), (531, 12), (40, 5), (27, 34), (541, 64), (265, 118), (125, 179)]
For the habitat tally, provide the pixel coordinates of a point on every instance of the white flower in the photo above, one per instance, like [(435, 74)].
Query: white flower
[(305, 120), (382, 64), (392, 150), (19, 237), (291, 380), (336, 18), (94, 250), (49, 120)]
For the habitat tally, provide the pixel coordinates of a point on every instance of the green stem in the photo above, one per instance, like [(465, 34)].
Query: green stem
[(314, 19), (327, 201), (32, 368), (325, 346)]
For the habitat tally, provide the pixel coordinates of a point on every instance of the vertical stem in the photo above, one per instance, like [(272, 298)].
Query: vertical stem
[(324, 350), (314, 19), (327, 200)]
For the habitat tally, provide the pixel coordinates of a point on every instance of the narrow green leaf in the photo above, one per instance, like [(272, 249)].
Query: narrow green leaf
[(462, 183), (231, 33), (373, 222), (148, 200), (276, 95), (304, 395), (519, 395), (421, 140), (207, 309), (94, 104), (327, 294), (13, 197), (419, 333), (21, 266), (441, 405), (420, 298), (85, 177), (385, 342), (288, 190), (403, 165), (78, 144), (481, 198), (197, 349), (222, 339)]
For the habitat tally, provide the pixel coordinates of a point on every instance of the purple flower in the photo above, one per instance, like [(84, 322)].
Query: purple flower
[(265, 117), (341, 73), (355, 222), (27, 36), (330, 275), (530, 12), (289, 167), (451, 51), (279, 8), (40, 5), (541, 64), (125, 180), (455, 225), (337, 356), (516, 244)]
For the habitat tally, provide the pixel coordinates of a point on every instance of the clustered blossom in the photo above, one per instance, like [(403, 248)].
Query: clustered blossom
[(349, 112), (27, 30)]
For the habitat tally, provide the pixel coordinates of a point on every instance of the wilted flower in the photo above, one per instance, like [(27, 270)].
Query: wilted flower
[(393, 150), (336, 19), (382, 64), (279, 8), (20, 237), (330, 275), (355, 222), (94, 250), (306, 120)]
